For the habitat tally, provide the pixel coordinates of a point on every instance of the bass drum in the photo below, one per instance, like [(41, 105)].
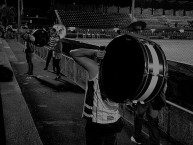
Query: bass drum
[(61, 30), (133, 69), (41, 37)]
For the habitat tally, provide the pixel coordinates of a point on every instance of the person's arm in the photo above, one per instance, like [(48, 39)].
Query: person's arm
[(82, 57)]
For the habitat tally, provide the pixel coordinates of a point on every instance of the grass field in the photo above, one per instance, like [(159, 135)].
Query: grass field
[(175, 50)]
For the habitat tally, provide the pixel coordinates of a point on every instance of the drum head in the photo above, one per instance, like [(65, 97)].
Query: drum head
[(122, 69), (61, 30), (41, 37)]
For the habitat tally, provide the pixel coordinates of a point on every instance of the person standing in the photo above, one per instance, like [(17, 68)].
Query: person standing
[(51, 44), (151, 110), (57, 56), (29, 51), (103, 119)]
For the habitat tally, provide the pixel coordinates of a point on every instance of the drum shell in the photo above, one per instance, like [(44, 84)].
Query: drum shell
[(128, 70)]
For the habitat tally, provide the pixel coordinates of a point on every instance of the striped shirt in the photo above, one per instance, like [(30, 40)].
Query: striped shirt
[(95, 108), (51, 42)]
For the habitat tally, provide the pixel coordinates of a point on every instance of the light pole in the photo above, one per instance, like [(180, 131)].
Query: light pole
[(19, 18), (133, 10), (19, 14)]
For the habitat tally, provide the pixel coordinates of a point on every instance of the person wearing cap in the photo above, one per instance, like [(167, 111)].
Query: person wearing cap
[(51, 45), (29, 50), (102, 115)]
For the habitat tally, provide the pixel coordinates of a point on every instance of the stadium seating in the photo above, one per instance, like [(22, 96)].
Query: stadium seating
[(93, 19), (100, 25), (154, 21)]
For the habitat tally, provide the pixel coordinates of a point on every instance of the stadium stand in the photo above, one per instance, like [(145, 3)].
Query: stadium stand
[(100, 25), (93, 19)]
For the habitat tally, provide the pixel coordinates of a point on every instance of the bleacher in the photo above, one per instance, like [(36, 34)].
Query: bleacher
[(93, 19), (154, 21), (90, 24)]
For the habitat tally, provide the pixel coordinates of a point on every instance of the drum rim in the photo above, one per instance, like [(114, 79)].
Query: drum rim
[(36, 43), (161, 77)]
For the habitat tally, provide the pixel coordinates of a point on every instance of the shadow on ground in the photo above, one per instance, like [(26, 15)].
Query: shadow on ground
[(59, 85)]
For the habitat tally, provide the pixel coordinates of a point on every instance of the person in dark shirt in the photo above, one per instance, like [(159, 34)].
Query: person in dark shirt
[(57, 56), (29, 51)]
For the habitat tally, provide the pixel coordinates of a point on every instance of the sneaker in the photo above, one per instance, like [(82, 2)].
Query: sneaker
[(30, 74), (133, 140), (58, 77), (45, 68)]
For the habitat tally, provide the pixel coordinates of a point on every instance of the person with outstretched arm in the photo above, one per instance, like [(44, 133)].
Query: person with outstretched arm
[(103, 119)]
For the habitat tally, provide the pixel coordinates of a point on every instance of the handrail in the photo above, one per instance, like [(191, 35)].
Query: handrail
[(82, 86), (179, 107)]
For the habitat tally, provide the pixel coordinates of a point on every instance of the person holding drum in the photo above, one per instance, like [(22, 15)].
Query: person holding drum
[(103, 119), (29, 50), (51, 44), (151, 110)]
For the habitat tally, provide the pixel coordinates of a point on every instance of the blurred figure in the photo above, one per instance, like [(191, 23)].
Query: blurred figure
[(103, 119), (2, 31), (29, 50), (116, 29), (51, 43), (137, 26)]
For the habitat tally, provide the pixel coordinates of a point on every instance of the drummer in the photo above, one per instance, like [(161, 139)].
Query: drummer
[(103, 119), (151, 110)]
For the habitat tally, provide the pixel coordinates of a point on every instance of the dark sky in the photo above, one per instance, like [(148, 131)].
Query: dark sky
[(45, 4), (29, 3)]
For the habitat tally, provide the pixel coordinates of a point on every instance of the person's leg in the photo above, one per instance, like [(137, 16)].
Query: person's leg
[(93, 139), (110, 139), (58, 67), (57, 64), (152, 117), (30, 64), (49, 56), (53, 64), (92, 136), (138, 122)]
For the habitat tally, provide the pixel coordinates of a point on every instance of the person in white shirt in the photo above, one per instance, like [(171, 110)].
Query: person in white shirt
[(103, 119)]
